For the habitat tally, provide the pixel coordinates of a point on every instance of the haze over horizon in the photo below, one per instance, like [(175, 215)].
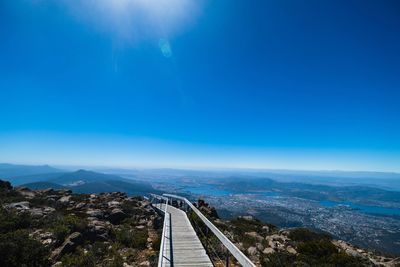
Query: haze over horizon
[(310, 85)]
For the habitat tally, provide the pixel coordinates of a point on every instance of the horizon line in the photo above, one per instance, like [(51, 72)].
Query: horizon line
[(130, 168)]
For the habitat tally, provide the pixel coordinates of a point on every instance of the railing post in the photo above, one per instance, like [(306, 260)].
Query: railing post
[(231, 248), (227, 258)]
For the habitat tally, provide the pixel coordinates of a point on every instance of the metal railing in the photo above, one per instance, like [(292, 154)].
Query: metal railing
[(236, 253), (166, 233)]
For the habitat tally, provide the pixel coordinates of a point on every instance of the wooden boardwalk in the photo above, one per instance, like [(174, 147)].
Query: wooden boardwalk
[(187, 250)]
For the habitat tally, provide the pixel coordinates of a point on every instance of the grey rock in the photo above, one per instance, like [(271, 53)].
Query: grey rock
[(291, 250), (64, 191), (95, 213), (26, 192), (252, 251), (69, 245), (97, 230), (255, 235), (116, 216), (23, 205), (268, 251), (47, 191), (80, 205), (144, 263), (48, 210), (74, 240), (259, 246), (247, 217), (37, 213), (65, 199), (266, 228), (52, 197), (113, 203)]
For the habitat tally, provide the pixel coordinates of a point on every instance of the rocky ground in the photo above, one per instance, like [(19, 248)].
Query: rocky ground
[(65, 229), (59, 228), (266, 245)]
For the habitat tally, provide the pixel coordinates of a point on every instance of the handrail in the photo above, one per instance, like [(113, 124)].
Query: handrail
[(159, 197), (239, 256), (165, 232), (162, 244)]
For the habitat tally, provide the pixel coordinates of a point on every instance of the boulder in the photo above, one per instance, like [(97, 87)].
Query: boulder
[(254, 235), (26, 192), (275, 237), (48, 210), (52, 197), (113, 203), (23, 205), (116, 216), (268, 251), (272, 244), (95, 213), (47, 191), (64, 191), (291, 250), (46, 238), (247, 217), (47, 241), (252, 251), (75, 237), (144, 263), (69, 245), (80, 205), (97, 230), (65, 199), (36, 213)]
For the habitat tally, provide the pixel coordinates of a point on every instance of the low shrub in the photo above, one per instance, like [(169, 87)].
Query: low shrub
[(11, 221), (132, 238), (305, 235), (19, 250)]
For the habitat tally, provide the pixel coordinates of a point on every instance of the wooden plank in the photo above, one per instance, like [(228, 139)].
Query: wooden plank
[(187, 250)]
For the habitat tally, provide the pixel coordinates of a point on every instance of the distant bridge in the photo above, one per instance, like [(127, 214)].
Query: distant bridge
[(180, 245)]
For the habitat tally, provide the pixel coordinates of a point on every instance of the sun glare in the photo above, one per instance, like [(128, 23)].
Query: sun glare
[(137, 18)]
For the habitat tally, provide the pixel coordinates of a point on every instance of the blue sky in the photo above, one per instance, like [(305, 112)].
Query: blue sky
[(182, 83)]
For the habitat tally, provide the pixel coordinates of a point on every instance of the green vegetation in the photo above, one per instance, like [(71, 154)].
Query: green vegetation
[(7, 195), (314, 249), (11, 221), (305, 235), (79, 259), (242, 225), (297, 247), (62, 225), (17, 248), (132, 238), (38, 240)]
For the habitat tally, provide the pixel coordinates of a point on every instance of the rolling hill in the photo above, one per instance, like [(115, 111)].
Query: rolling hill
[(12, 171), (83, 181)]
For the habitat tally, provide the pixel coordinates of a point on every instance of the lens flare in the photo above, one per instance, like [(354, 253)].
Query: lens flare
[(137, 19), (165, 48)]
